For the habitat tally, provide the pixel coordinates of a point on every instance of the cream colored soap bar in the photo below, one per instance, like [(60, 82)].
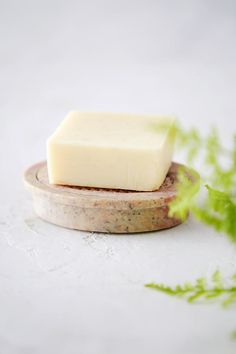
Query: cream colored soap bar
[(111, 150)]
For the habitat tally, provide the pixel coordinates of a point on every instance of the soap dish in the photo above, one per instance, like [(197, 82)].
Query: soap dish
[(103, 210)]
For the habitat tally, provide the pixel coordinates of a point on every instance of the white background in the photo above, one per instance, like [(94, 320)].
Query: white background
[(66, 292)]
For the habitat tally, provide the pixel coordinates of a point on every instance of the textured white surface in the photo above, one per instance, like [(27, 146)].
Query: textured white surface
[(68, 292)]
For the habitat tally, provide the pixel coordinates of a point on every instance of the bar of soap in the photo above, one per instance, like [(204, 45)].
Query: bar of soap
[(111, 150)]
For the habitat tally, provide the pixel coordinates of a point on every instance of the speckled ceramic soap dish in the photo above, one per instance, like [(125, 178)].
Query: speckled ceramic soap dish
[(102, 210)]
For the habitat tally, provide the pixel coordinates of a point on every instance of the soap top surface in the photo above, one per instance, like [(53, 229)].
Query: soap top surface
[(114, 130)]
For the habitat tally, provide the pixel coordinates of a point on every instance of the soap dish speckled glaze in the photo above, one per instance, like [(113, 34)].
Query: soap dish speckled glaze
[(103, 210)]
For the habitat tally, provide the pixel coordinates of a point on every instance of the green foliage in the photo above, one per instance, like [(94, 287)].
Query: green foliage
[(202, 290), (190, 139), (233, 335), (219, 212), (212, 200), (218, 207), (186, 196)]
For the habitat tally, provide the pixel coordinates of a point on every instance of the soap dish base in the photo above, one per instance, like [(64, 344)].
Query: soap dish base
[(103, 210)]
